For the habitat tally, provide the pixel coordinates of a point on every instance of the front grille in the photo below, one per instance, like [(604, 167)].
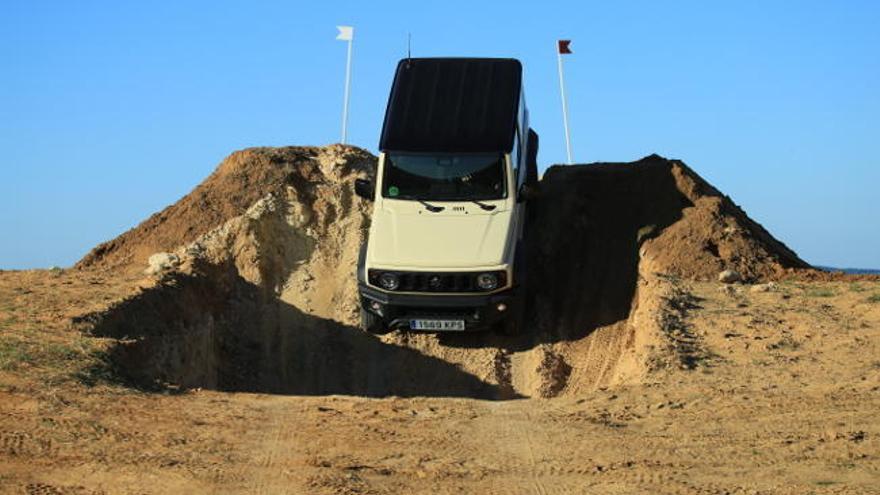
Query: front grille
[(438, 281)]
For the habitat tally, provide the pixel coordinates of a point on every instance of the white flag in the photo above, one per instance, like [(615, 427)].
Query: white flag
[(346, 33)]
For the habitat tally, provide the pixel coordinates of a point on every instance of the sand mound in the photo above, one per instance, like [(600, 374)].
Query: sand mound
[(262, 295), (684, 225), (241, 179)]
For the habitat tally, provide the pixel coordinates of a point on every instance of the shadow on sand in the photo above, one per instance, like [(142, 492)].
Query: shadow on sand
[(221, 332)]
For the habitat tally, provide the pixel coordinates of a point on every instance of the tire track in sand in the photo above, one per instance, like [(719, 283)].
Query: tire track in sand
[(266, 476), (518, 453)]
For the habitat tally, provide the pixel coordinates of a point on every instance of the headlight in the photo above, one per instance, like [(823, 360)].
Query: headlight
[(487, 281), (389, 281)]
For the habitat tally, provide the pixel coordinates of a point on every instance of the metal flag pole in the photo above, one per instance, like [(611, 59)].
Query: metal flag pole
[(562, 47), (346, 33)]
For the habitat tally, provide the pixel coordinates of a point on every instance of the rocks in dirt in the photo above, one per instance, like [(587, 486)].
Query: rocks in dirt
[(831, 435), (554, 373), (502, 371), (161, 262), (730, 290), (729, 277), (768, 287)]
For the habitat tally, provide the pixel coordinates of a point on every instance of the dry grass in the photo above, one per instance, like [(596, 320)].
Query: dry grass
[(27, 350), (13, 354), (820, 292)]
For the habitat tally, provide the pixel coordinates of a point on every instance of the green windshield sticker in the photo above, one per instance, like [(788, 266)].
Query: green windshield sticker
[(393, 191)]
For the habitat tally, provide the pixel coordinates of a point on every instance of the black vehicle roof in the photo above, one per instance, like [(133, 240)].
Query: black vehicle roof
[(453, 105)]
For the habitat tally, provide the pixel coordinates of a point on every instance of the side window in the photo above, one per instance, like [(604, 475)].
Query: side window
[(515, 156), (519, 141)]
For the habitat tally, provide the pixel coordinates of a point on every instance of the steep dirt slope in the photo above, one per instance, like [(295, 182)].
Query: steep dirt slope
[(689, 229), (238, 182)]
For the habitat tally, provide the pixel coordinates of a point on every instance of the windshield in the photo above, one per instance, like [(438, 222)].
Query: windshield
[(444, 177)]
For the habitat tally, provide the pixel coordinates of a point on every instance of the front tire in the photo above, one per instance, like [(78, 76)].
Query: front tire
[(372, 323)]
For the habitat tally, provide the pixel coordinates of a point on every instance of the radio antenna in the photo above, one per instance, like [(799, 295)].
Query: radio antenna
[(408, 48)]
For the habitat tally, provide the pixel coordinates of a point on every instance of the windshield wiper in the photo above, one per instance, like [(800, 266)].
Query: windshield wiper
[(430, 207), (484, 206)]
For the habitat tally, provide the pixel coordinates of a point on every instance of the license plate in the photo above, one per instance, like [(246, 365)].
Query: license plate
[(437, 325)]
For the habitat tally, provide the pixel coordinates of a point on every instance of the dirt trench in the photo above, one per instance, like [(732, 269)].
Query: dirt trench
[(267, 301)]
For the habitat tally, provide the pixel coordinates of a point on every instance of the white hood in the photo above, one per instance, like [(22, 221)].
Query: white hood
[(405, 234)]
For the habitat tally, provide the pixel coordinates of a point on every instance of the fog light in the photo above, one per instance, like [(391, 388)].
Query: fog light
[(375, 305), (502, 307)]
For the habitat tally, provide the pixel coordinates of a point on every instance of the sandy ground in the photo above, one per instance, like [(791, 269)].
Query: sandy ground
[(784, 400), (238, 368)]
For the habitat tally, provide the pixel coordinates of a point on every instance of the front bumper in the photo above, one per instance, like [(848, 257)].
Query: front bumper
[(479, 311)]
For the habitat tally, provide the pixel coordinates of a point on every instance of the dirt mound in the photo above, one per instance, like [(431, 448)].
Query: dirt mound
[(238, 182), (683, 225), (263, 295)]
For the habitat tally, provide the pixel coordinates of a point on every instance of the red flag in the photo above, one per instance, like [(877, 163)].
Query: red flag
[(562, 46)]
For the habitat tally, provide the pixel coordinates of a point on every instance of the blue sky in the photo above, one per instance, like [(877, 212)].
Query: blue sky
[(113, 110)]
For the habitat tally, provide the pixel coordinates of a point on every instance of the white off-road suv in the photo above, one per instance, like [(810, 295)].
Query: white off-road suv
[(456, 171)]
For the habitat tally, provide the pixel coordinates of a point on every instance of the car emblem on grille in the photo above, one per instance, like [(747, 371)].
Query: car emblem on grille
[(434, 282)]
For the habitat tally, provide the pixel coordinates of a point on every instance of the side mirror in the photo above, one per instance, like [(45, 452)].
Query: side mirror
[(527, 192), (364, 188), (532, 158)]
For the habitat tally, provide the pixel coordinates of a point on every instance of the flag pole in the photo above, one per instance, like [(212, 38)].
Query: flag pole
[(347, 89), (564, 104)]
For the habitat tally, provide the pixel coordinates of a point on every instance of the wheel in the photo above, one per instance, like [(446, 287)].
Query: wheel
[(372, 323)]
